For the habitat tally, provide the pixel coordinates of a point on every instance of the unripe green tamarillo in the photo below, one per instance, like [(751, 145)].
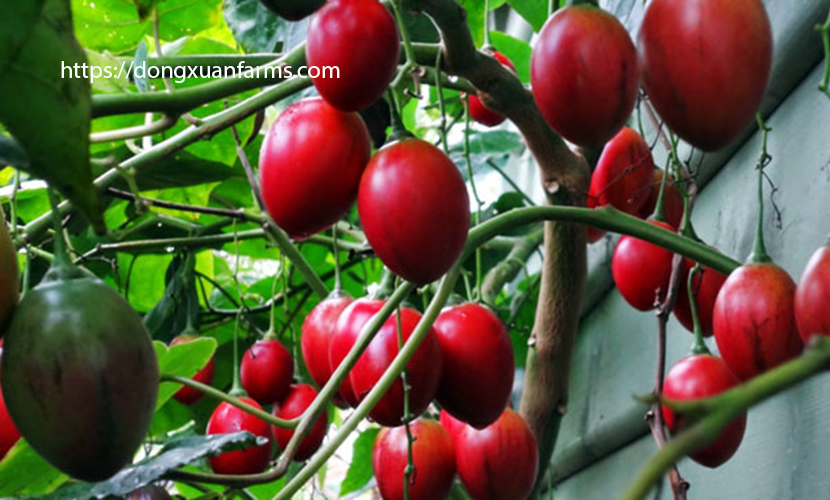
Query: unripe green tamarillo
[(80, 376), (8, 274)]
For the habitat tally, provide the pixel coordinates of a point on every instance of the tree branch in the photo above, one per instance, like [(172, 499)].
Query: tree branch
[(506, 270)]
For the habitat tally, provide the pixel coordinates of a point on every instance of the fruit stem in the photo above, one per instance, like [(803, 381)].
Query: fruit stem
[(387, 284), (230, 399), (439, 91), (759, 253), (61, 255), (407, 41), (471, 178), (338, 280), (699, 346), (271, 334), (409, 471), (399, 131), (659, 213), (824, 29), (236, 387)]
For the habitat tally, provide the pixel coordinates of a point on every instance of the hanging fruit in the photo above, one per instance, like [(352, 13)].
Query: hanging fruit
[(415, 210), (705, 66), (584, 75)]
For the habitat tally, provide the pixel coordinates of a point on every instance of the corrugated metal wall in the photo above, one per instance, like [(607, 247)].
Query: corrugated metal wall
[(786, 452)]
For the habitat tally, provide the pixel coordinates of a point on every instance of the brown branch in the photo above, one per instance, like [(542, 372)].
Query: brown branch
[(565, 178), (654, 417)]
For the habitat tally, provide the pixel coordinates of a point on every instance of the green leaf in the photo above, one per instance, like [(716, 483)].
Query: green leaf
[(110, 81), (184, 360), (476, 17), (48, 114), (534, 12), (173, 455), (181, 300), (516, 50), (11, 154), (257, 29), (24, 472), (115, 25), (360, 470)]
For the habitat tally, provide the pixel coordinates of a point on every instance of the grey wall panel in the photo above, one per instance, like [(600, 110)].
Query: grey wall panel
[(615, 352)]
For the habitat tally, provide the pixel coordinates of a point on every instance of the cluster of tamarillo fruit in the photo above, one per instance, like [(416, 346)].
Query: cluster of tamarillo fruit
[(466, 364)]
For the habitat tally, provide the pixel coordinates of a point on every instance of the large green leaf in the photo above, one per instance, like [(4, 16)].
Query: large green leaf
[(115, 25), (476, 19), (516, 50), (360, 469), (183, 360), (534, 12), (24, 472), (44, 107), (173, 455)]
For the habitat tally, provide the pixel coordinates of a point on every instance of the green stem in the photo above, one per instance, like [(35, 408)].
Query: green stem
[(227, 398), (208, 126), (407, 41), (659, 213), (439, 90), (721, 410), (279, 238), (759, 252), (824, 29), (609, 219), (486, 23), (471, 178), (700, 344), (186, 99), (338, 281), (409, 470), (60, 252)]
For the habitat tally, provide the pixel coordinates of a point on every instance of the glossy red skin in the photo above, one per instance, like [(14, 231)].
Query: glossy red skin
[(622, 177), (754, 320), (414, 209), (696, 377), (227, 419), (451, 424), (293, 405), (705, 66), (423, 370), (641, 269), (310, 166), (188, 395), (346, 331), (499, 462), (481, 113), (360, 37), (266, 371), (478, 364), (8, 431), (432, 455), (672, 201), (584, 75), (812, 297), (318, 330), (707, 286)]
